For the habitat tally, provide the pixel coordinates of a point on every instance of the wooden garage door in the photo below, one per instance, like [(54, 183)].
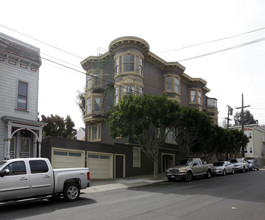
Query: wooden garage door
[(100, 165), (65, 158)]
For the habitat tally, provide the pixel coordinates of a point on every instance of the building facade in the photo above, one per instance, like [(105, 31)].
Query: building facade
[(20, 130), (255, 148), (129, 67)]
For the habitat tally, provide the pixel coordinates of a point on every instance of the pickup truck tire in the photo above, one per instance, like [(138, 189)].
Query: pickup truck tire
[(188, 177), (208, 174), (71, 192)]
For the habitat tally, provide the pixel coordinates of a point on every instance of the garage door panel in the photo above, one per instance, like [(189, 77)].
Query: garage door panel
[(100, 165)]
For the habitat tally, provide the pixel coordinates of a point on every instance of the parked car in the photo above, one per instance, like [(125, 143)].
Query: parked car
[(223, 167), (34, 177), (240, 164), (253, 164), (188, 168)]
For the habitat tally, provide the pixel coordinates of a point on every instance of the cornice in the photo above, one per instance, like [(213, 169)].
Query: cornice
[(91, 59)]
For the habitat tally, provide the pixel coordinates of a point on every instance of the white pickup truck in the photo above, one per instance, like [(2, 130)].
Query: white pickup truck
[(34, 177)]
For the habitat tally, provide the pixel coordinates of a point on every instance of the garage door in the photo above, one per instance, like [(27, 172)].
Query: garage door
[(65, 158), (100, 165)]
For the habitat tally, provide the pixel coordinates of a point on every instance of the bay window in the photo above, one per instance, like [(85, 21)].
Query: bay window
[(196, 96), (94, 132), (172, 83)]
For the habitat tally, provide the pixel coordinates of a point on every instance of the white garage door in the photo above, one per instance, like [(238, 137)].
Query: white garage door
[(65, 158), (100, 165)]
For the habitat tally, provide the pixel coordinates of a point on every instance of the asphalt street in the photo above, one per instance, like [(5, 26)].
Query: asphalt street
[(239, 196)]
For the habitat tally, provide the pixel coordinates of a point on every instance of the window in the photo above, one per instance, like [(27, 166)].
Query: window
[(16, 168), (38, 166), (89, 81), (22, 98), (176, 84), (96, 82), (170, 137), (97, 101), (136, 157), (196, 96), (94, 132), (128, 63), (139, 65), (192, 96), (117, 65), (169, 83), (199, 97), (128, 89), (251, 150), (172, 83), (88, 105)]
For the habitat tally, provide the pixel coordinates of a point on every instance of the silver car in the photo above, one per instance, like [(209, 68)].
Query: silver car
[(240, 164), (223, 167)]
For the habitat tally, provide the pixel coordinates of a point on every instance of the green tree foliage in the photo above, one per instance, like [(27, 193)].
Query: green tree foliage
[(81, 102), (144, 120), (192, 129), (58, 126), (248, 118)]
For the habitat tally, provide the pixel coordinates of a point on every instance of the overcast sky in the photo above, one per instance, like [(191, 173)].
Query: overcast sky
[(83, 26)]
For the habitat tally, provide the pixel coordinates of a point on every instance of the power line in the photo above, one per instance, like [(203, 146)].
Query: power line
[(223, 50), (212, 41), (42, 42)]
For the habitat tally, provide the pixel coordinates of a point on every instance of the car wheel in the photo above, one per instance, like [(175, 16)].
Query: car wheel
[(243, 170), (224, 172), (188, 177), (209, 174), (71, 192), (233, 171)]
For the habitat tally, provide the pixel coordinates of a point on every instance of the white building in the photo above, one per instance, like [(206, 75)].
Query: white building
[(256, 146), (20, 130)]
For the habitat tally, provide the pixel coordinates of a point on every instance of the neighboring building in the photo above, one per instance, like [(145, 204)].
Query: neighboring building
[(129, 67), (80, 134), (20, 130), (255, 148)]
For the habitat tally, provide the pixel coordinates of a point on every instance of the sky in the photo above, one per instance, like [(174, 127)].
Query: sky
[(231, 67)]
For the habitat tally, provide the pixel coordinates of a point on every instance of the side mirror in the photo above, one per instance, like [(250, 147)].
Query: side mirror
[(4, 172)]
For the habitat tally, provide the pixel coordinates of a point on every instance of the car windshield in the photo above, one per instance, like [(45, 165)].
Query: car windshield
[(187, 162), (219, 163), (234, 161)]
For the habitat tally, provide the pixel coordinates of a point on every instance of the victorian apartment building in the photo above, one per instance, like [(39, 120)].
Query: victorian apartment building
[(129, 67), (20, 130)]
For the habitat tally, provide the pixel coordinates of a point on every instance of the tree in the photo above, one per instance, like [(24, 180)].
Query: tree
[(144, 119), (81, 102), (248, 118), (192, 128), (58, 126)]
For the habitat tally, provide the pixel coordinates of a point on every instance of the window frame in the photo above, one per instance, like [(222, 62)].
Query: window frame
[(90, 136), (172, 86), (198, 96)]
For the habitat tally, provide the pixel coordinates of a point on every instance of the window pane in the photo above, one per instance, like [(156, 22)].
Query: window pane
[(89, 81), (94, 132), (169, 83), (128, 89), (22, 88), (38, 166), (128, 63), (74, 154), (16, 168), (88, 105), (60, 153), (96, 79), (192, 96), (176, 85), (117, 65), (96, 104)]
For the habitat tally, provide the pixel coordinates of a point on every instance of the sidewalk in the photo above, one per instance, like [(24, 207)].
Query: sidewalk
[(107, 185)]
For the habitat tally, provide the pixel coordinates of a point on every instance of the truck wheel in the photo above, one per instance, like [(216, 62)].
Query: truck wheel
[(188, 177), (209, 174), (71, 192)]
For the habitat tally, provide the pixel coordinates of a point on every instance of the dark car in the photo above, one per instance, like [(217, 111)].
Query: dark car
[(253, 165)]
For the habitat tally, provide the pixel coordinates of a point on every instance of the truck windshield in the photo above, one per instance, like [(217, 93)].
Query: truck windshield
[(187, 162)]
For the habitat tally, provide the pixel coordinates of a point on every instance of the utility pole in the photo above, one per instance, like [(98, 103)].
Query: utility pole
[(230, 112), (243, 120)]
